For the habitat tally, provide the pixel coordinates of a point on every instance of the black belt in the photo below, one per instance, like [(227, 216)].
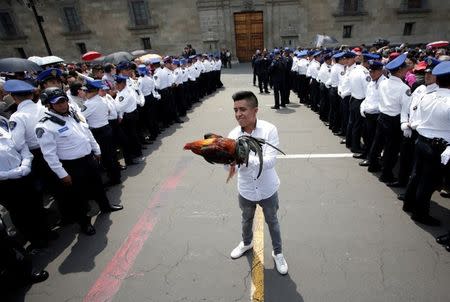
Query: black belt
[(435, 142), (84, 158), (99, 128)]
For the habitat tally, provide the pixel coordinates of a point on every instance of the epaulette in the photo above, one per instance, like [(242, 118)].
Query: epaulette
[(53, 118)]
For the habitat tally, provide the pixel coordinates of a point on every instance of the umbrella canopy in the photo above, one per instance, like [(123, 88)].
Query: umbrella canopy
[(148, 57), (91, 55), (51, 60), (140, 52), (437, 44), (320, 40), (118, 57), (36, 59), (18, 65)]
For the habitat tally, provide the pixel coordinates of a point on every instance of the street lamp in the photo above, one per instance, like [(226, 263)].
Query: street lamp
[(39, 20)]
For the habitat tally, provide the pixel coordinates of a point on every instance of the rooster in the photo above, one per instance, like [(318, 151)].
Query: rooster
[(217, 149)]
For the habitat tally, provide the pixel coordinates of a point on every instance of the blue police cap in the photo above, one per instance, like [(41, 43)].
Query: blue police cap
[(431, 63), (18, 87), (397, 62), (93, 84), (48, 74), (441, 69), (120, 78), (310, 53), (375, 65), (183, 61), (142, 69), (105, 87), (371, 56), (176, 62), (349, 54), (287, 49), (327, 56), (276, 51), (155, 61), (123, 65), (192, 57), (303, 53), (338, 55), (317, 53)]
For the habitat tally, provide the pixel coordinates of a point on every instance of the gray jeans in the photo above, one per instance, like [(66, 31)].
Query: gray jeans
[(270, 208)]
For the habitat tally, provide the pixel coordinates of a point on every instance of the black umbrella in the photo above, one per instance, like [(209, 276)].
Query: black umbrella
[(18, 65), (118, 57)]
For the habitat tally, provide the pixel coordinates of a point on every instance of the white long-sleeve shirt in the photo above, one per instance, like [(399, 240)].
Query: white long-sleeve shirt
[(250, 187), (371, 103), (395, 98), (70, 141), (358, 80), (416, 97), (22, 124)]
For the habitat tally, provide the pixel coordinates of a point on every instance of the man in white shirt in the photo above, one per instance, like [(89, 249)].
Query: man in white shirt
[(337, 71), (262, 191)]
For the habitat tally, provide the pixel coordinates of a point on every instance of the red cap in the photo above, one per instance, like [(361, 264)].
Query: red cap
[(421, 66), (393, 55)]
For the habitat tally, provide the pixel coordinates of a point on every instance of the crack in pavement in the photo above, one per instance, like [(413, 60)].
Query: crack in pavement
[(171, 268)]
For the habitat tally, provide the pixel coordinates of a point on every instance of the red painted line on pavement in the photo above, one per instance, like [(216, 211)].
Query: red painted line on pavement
[(110, 280)]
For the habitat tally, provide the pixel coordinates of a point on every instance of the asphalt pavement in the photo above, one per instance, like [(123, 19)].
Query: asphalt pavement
[(345, 236)]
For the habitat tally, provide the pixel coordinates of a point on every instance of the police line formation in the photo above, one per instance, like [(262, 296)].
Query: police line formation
[(391, 107), (61, 127)]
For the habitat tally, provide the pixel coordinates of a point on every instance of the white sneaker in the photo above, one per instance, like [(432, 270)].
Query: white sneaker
[(280, 263), (240, 249)]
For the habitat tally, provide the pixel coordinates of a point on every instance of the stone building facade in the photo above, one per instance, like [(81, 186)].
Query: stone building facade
[(166, 26)]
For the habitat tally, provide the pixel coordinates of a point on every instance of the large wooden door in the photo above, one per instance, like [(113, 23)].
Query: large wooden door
[(249, 32)]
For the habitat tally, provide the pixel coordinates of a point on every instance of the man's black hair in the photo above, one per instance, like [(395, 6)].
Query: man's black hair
[(108, 67), (249, 96), (74, 87), (443, 81)]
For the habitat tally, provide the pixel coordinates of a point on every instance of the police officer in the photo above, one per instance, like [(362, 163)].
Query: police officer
[(323, 77), (288, 62), (277, 71), (369, 108), (394, 107), (126, 105), (432, 147), (313, 71), (344, 91), (147, 86), (96, 113), (337, 71), (71, 152)]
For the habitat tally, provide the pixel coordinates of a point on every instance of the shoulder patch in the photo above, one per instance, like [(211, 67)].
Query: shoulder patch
[(368, 79), (120, 98), (83, 108), (43, 119), (4, 124), (408, 92), (155, 77), (39, 132), (12, 125)]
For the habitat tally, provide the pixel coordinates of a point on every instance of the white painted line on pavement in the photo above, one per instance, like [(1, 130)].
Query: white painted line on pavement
[(311, 155)]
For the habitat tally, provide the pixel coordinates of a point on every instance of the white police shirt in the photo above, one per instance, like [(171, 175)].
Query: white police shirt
[(112, 110), (133, 85), (125, 101), (191, 73), (370, 104), (314, 68), (324, 74), (294, 67), (177, 76), (416, 97), (146, 85), (344, 85), (70, 141), (15, 162), (395, 98), (434, 115), (302, 66), (96, 112), (336, 73), (22, 124), (184, 74), (219, 64), (163, 78), (250, 187), (358, 78)]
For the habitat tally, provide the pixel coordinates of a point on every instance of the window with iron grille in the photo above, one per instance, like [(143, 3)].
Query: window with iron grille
[(408, 29), (140, 13), (347, 31), (146, 43), (8, 27), (72, 19), (411, 4), (351, 6)]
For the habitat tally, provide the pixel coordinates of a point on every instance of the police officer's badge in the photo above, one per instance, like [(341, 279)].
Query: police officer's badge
[(120, 98), (12, 125), (368, 79), (39, 132), (54, 72), (408, 92)]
